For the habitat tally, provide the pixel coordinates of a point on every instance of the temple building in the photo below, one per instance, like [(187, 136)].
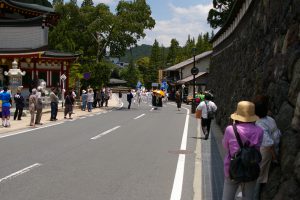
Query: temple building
[(24, 38)]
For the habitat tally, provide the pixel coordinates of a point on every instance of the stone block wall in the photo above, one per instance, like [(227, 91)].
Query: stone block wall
[(262, 56)]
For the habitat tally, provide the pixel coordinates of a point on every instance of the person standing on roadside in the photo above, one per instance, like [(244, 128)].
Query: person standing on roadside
[(54, 104), (90, 99), (106, 96), (69, 101), (129, 98), (178, 99), (39, 106), (32, 106), (244, 120), (19, 100), (270, 143), (120, 96), (205, 107), (6, 104), (83, 100), (102, 96)]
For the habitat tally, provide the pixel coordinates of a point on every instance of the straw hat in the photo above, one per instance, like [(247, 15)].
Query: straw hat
[(245, 112)]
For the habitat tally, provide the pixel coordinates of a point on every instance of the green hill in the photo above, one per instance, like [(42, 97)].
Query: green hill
[(137, 52)]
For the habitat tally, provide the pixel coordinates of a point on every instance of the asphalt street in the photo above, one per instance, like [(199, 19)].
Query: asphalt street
[(123, 154)]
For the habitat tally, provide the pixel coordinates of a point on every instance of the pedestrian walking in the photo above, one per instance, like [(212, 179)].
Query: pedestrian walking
[(5, 97), (129, 98), (54, 103), (20, 103), (39, 106), (206, 110), (83, 100), (250, 134), (32, 106), (178, 99), (69, 101), (270, 143), (90, 99)]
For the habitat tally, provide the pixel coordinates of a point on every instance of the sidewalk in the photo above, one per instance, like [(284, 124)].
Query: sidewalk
[(24, 123)]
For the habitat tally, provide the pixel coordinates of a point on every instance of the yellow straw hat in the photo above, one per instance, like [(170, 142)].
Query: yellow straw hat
[(245, 112)]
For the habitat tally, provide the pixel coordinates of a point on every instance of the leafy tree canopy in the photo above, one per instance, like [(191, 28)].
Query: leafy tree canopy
[(218, 15)]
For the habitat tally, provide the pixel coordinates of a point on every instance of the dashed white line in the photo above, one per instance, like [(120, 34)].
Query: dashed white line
[(20, 172), (139, 116), (105, 132)]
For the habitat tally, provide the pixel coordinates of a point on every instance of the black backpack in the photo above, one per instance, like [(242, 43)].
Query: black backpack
[(244, 165), (210, 112)]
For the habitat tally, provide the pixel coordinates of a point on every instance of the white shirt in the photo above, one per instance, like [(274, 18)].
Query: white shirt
[(203, 108), (271, 132)]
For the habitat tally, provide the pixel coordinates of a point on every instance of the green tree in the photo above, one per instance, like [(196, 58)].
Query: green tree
[(155, 61), (101, 73), (87, 3), (131, 74), (218, 15), (117, 32), (73, 2), (143, 64), (173, 52)]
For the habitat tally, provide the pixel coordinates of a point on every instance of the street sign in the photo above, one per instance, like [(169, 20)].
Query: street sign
[(87, 75), (154, 84), (63, 77), (194, 70)]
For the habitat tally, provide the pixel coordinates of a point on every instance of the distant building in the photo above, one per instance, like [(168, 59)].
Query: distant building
[(180, 74)]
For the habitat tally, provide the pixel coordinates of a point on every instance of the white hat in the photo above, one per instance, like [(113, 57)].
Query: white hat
[(83, 91)]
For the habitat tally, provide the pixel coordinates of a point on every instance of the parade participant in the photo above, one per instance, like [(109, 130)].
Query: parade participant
[(129, 98), (6, 104)]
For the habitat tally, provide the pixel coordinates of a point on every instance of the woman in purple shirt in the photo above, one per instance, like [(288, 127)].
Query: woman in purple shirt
[(244, 118)]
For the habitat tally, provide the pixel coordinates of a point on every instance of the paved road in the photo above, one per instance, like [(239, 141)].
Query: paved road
[(122, 154)]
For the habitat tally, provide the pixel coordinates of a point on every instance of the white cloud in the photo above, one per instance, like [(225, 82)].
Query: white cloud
[(185, 21)]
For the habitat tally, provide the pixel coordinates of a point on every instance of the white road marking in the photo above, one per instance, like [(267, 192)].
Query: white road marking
[(20, 172), (105, 132), (178, 180), (29, 130), (140, 116)]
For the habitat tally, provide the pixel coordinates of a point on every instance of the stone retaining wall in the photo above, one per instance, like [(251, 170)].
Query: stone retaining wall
[(262, 56)]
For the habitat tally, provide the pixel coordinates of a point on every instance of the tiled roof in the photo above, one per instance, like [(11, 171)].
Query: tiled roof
[(188, 61)]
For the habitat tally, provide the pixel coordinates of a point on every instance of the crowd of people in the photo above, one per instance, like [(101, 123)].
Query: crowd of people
[(252, 127)]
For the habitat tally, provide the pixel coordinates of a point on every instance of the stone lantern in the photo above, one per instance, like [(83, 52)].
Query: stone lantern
[(15, 77)]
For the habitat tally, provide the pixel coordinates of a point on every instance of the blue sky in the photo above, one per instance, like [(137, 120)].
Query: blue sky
[(174, 19)]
